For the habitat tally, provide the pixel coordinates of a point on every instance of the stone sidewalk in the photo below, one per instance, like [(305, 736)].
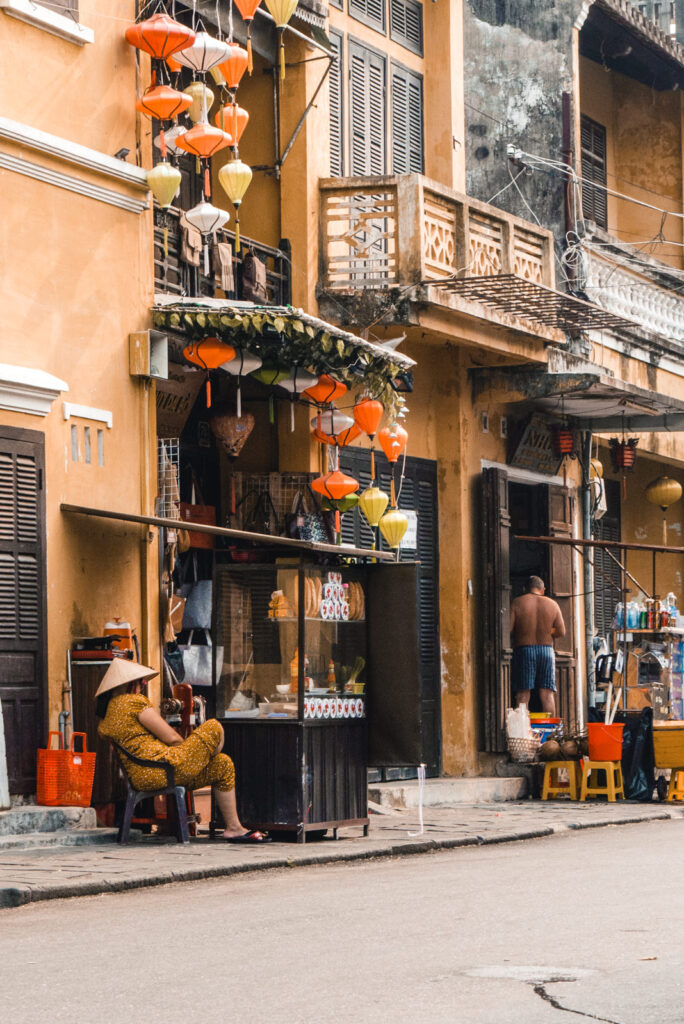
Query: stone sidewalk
[(30, 875)]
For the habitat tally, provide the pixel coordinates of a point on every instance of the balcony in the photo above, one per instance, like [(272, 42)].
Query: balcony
[(391, 248)]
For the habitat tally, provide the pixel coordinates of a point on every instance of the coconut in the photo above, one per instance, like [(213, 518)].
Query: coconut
[(569, 750), (550, 751)]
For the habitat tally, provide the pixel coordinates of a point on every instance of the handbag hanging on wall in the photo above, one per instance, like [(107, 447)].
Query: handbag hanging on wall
[(196, 511), (198, 660)]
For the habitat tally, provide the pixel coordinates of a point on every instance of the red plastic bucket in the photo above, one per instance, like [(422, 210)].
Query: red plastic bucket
[(605, 741)]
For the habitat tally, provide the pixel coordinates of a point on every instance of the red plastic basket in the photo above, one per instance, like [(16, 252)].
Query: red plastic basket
[(65, 777)]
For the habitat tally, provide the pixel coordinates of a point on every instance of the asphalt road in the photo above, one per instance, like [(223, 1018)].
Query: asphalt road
[(470, 936)]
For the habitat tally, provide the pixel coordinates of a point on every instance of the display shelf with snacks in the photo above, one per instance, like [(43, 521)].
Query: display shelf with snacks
[(305, 704)]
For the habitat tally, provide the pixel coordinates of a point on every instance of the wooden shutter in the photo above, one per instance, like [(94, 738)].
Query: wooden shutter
[(336, 79), (594, 200), (496, 607), (561, 587), (406, 24), (22, 603), (367, 110), (407, 121), (370, 12)]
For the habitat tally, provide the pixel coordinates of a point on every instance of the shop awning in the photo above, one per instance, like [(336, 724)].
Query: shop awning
[(598, 402), (237, 536), (527, 300)]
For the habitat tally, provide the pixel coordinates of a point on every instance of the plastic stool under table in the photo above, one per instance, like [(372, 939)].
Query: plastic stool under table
[(553, 787), (613, 787)]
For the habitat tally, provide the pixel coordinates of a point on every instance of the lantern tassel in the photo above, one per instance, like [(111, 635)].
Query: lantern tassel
[(664, 531), (198, 166), (207, 182), (206, 258), (250, 65), (292, 421), (239, 401), (166, 242), (162, 142), (393, 499), (372, 465), (233, 501), (237, 232), (208, 391), (338, 526), (282, 56), (271, 409)]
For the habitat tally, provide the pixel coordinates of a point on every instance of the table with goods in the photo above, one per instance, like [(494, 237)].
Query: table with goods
[(312, 686)]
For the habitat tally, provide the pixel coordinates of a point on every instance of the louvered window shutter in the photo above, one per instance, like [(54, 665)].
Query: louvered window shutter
[(366, 111), (69, 7), (407, 121), (370, 12), (406, 24), (594, 200), (20, 592), (336, 109)]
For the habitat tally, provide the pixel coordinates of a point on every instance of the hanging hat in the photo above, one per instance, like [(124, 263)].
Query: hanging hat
[(121, 671)]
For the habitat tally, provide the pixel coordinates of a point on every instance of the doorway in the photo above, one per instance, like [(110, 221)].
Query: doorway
[(23, 641), (513, 510)]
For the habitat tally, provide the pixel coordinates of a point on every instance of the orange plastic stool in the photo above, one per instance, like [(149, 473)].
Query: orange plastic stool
[(613, 787), (553, 787)]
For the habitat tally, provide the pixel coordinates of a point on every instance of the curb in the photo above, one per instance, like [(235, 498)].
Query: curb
[(20, 895)]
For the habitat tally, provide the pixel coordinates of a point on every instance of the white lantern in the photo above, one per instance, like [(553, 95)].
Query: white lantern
[(298, 381), (207, 219), (242, 363), (171, 135), (331, 422), (204, 54)]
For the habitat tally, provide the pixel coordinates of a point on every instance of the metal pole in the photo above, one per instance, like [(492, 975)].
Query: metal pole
[(588, 566)]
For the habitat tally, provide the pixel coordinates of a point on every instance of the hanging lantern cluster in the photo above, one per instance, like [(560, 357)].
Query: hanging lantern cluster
[(174, 46)]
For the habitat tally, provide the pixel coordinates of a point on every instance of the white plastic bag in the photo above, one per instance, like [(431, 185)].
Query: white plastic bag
[(518, 723)]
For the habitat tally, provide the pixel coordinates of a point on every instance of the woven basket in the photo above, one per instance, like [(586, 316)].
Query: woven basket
[(523, 751)]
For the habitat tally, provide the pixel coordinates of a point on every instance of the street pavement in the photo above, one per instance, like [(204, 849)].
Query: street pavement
[(31, 875), (581, 925)]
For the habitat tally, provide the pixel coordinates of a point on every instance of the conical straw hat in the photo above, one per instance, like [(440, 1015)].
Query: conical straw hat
[(121, 671)]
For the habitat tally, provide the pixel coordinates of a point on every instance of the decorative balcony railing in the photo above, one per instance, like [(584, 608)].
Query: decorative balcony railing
[(174, 276), (383, 232)]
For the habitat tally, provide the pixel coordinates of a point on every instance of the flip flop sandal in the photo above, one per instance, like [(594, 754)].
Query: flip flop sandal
[(253, 838)]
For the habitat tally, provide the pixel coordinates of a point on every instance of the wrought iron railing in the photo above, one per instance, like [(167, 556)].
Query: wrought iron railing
[(174, 276)]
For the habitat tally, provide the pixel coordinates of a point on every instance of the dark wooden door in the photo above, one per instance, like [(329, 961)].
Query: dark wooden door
[(561, 587), (418, 493), (496, 607), (22, 602)]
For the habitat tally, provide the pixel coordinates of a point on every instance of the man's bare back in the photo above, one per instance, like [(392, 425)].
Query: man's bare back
[(535, 619)]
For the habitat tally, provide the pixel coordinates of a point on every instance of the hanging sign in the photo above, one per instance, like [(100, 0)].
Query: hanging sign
[(410, 539), (534, 449), (175, 399)]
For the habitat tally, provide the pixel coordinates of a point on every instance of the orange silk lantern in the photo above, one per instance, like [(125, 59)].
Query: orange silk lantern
[(368, 414), (209, 353), (234, 67), (335, 485), (203, 140), (163, 102), (173, 65), (247, 9), (326, 390), (392, 441), (160, 36), (232, 119)]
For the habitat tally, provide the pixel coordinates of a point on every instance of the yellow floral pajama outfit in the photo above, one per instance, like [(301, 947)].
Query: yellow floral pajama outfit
[(196, 760)]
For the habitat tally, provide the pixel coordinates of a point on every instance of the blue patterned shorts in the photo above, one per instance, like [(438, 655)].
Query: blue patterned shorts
[(534, 667)]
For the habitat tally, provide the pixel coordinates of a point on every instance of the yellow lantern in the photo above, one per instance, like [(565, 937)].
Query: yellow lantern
[(595, 469), (373, 503), (164, 181), (281, 11), (235, 177), (393, 526), (664, 492), (198, 90)]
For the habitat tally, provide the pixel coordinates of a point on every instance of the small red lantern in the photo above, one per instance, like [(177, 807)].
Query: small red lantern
[(327, 390), (163, 102), (232, 119), (160, 36), (562, 440), (623, 452), (203, 140), (393, 441)]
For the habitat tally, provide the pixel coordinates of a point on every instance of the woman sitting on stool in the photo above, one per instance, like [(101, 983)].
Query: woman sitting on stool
[(129, 719)]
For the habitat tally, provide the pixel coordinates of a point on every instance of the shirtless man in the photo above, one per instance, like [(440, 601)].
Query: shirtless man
[(535, 621)]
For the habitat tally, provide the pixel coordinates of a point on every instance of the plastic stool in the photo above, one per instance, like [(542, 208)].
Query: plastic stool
[(675, 790), (552, 784), (613, 787)]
